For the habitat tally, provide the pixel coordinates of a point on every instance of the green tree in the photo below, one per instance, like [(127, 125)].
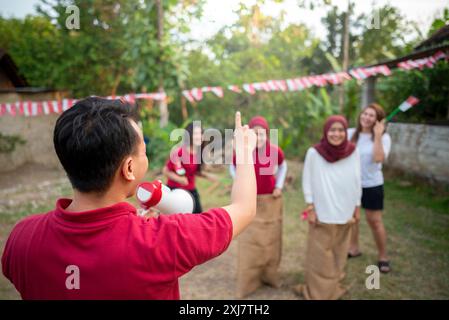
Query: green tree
[(389, 40), (35, 45)]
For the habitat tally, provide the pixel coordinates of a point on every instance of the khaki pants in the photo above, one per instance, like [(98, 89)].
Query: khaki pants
[(327, 252), (260, 247)]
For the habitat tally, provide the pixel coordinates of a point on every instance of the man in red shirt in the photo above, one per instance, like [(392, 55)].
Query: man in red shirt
[(95, 246)]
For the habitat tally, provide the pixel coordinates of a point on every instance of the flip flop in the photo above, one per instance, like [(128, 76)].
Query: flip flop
[(350, 255), (384, 265)]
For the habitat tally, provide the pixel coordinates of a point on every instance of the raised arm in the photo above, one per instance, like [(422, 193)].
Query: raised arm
[(378, 148), (242, 209), (232, 170), (281, 174), (174, 176)]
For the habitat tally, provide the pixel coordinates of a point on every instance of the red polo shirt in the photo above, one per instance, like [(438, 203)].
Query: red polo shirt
[(118, 254), (191, 165)]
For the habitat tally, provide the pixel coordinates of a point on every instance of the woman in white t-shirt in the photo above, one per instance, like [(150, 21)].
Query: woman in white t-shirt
[(373, 144), (332, 190)]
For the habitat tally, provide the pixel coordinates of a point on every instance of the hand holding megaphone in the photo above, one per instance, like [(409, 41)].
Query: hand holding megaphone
[(157, 195)]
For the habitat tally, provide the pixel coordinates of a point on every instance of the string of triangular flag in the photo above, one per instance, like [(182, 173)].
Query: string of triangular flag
[(33, 108), (305, 82)]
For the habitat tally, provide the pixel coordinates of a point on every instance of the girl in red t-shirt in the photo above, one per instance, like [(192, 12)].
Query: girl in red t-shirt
[(184, 164), (269, 163)]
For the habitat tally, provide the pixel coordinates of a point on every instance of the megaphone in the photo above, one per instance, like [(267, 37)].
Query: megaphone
[(157, 195)]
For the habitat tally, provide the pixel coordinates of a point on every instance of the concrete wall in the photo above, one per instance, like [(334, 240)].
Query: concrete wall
[(38, 133), (420, 149)]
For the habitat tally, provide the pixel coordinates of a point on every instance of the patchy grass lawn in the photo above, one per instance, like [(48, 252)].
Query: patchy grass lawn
[(416, 219)]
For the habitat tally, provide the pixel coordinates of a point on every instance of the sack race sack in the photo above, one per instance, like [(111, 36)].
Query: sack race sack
[(326, 256), (260, 247)]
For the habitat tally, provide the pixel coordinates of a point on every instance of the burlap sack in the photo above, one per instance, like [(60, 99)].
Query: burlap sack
[(326, 256), (260, 247)]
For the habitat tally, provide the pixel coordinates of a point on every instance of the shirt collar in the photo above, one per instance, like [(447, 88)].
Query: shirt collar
[(121, 208)]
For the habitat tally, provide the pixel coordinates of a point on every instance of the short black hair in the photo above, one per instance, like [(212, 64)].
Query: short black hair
[(91, 140)]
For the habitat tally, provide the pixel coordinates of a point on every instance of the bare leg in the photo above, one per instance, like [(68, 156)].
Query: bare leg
[(354, 242), (374, 218)]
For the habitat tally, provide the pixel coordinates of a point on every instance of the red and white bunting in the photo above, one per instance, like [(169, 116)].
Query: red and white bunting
[(30, 108), (152, 96), (440, 55), (299, 84), (249, 87), (197, 94), (265, 86), (235, 89), (35, 108), (383, 69), (423, 62), (359, 73), (218, 91), (332, 78), (294, 84), (130, 97), (259, 86), (188, 95), (344, 76), (272, 85), (306, 82), (281, 84), (46, 107)]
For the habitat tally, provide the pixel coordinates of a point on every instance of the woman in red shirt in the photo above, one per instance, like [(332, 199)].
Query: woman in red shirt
[(269, 163), (260, 248), (185, 163)]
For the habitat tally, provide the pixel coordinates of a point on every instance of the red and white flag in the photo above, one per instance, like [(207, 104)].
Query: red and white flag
[(235, 88), (281, 85), (11, 108), (249, 87), (188, 95), (259, 86), (197, 94), (272, 85), (218, 91), (306, 82), (382, 69), (359, 73), (439, 55), (407, 104), (332, 78), (291, 84)]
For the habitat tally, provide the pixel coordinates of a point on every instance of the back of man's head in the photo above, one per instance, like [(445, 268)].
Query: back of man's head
[(91, 140)]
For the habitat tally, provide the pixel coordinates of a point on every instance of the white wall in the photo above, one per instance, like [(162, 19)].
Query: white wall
[(420, 149)]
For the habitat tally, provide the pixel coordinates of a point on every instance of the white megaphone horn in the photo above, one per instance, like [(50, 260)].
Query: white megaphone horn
[(156, 195)]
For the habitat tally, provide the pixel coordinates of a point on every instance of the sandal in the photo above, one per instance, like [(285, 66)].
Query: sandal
[(384, 266), (354, 255)]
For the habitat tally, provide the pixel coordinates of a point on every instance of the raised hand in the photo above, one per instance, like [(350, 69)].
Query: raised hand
[(379, 128), (245, 141)]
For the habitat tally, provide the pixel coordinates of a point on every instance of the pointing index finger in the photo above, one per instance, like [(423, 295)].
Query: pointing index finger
[(238, 120)]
